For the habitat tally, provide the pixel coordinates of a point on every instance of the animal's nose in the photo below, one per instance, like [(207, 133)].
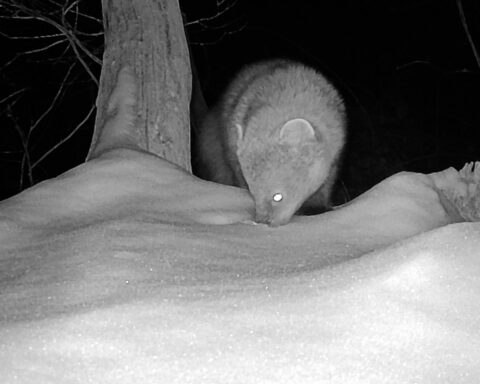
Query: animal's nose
[(262, 217)]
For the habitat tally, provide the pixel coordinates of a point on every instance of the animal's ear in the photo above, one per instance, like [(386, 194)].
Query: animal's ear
[(239, 131), (297, 131)]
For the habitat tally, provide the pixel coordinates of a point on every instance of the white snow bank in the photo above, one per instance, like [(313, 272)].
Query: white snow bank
[(121, 271)]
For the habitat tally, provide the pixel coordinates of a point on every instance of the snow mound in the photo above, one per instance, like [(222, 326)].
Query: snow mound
[(129, 269), (461, 190)]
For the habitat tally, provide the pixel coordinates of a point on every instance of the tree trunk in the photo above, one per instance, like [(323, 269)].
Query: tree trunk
[(148, 36)]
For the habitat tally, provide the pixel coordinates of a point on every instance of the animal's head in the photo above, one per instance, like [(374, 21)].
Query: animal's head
[(283, 172)]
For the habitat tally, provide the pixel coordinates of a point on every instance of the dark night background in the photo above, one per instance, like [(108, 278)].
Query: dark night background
[(405, 68)]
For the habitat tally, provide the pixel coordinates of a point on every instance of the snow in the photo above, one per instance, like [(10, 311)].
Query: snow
[(128, 269)]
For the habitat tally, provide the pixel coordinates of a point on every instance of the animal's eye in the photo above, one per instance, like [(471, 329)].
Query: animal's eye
[(277, 197)]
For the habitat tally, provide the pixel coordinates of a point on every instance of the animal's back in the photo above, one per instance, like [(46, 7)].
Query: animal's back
[(278, 131)]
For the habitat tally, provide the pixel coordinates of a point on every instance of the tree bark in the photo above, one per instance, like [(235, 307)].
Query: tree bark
[(148, 36)]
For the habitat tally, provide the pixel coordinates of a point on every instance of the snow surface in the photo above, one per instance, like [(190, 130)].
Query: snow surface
[(127, 269)]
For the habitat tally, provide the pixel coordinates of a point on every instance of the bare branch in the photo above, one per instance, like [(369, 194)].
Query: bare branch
[(92, 34), (215, 16), (24, 139), (4, 100), (64, 17), (75, 44), (467, 31), (219, 39), (80, 125), (52, 104), (46, 48), (31, 37), (214, 23), (67, 9)]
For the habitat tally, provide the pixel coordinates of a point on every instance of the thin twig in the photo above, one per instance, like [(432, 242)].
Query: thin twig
[(52, 104), (31, 37), (91, 34), (467, 31), (213, 17), (80, 125), (219, 39), (64, 17), (46, 48), (67, 8), (12, 95), (24, 139), (73, 40)]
